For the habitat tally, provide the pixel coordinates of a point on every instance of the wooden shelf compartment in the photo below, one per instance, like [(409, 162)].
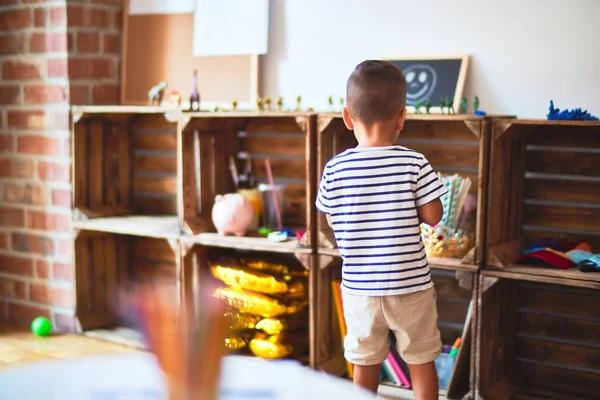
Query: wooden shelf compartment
[(106, 265), (544, 183), (537, 340), (456, 292), (197, 259), (124, 161), (210, 140), (253, 243), (453, 144), (165, 227)]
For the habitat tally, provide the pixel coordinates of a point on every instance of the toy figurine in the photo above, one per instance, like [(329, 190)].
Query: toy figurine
[(174, 98), (476, 104), (258, 103), (577, 114), (450, 105), (330, 101), (155, 95), (342, 102), (195, 96), (234, 105), (217, 109), (280, 104), (267, 104), (310, 109), (463, 105), (418, 106), (428, 105), (442, 104), (298, 102)]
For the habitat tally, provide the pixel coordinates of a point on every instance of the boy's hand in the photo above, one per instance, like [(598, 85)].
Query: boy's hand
[(331, 223), (431, 213)]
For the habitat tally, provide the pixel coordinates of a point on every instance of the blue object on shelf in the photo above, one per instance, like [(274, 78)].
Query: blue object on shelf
[(577, 114), (444, 365), (480, 113)]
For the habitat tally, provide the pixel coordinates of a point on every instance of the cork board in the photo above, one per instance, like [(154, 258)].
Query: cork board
[(159, 47)]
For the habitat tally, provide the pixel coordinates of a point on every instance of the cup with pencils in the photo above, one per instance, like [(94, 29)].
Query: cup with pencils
[(446, 361)]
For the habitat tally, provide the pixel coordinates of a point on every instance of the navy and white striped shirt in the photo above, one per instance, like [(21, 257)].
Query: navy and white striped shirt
[(372, 195)]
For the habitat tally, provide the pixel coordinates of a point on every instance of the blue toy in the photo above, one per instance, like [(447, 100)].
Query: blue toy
[(576, 114)]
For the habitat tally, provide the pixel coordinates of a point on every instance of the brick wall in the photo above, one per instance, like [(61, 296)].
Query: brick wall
[(52, 53)]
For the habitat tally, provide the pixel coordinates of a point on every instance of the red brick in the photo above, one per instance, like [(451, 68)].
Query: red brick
[(13, 288), (92, 68), (48, 42), (58, 16), (16, 265), (32, 144), (64, 323), (35, 119), (88, 42), (6, 143), (4, 240), (118, 19), (63, 272), (12, 216), (105, 94), (42, 293), (61, 197), (42, 269), (24, 193), (22, 69), (40, 16), (111, 43), (24, 313), (13, 43), (56, 172), (65, 248), (79, 94), (29, 243), (57, 68), (37, 94), (9, 94), (17, 167), (71, 42), (13, 20), (88, 17), (48, 221)]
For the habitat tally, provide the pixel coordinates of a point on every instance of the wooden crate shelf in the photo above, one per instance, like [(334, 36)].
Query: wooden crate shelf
[(451, 143), (247, 243), (544, 182), (124, 161), (210, 140), (537, 340), (139, 225), (455, 291), (107, 263)]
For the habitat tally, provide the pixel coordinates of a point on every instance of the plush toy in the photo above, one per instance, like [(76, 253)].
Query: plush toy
[(232, 214)]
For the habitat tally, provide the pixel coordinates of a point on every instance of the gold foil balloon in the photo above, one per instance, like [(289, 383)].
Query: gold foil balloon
[(270, 347), (251, 303), (240, 322), (234, 342), (250, 280), (271, 326)]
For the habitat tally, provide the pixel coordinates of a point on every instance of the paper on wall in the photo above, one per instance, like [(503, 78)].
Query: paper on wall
[(231, 27), (137, 7)]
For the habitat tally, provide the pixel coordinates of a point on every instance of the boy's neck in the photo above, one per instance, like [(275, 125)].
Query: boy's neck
[(375, 136)]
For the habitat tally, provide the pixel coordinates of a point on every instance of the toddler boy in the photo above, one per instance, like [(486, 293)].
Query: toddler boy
[(375, 196)]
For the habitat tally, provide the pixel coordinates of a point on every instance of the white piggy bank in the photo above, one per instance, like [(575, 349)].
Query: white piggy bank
[(232, 214)]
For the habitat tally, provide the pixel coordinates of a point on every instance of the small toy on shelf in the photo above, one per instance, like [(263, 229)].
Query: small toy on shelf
[(173, 98), (298, 103), (463, 105), (267, 105), (258, 103), (232, 213), (310, 109), (330, 102), (442, 104), (342, 102), (428, 106), (418, 106), (450, 105), (476, 104), (577, 114), (234, 105), (195, 96), (156, 94), (280, 104)]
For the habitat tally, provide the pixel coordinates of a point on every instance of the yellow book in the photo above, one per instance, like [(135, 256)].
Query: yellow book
[(337, 301)]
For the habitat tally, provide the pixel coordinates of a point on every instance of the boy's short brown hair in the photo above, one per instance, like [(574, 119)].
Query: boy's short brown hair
[(376, 91)]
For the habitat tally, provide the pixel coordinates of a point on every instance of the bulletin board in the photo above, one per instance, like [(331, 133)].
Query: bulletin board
[(158, 47)]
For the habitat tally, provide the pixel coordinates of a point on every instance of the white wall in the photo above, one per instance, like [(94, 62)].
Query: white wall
[(523, 52)]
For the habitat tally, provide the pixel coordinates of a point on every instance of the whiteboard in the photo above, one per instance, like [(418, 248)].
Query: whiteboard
[(140, 7), (231, 27)]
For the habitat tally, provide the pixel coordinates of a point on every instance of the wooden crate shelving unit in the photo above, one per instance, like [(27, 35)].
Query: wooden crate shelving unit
[(125, 170), (537, 340), (455, 291), (451, 143), (545, 181)]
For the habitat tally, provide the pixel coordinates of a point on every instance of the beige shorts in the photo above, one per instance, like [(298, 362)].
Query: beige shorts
[(412, 317)]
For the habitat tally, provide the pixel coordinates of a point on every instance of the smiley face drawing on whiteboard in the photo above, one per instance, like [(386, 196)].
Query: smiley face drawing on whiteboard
[(420, 82)]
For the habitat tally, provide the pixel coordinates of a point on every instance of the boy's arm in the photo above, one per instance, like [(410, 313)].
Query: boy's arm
[(429, 191), (322, 202), (329, 220)]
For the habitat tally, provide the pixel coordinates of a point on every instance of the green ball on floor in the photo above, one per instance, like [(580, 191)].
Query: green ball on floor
[(41, 326)]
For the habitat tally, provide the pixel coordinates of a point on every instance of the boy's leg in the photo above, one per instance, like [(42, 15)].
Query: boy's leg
[(367, 376), (424, 381)]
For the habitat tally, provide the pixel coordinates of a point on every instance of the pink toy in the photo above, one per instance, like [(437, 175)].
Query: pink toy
[(232, 214)]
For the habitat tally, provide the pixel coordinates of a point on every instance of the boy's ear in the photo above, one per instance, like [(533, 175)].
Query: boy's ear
[(347, 120), (401, 119)]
